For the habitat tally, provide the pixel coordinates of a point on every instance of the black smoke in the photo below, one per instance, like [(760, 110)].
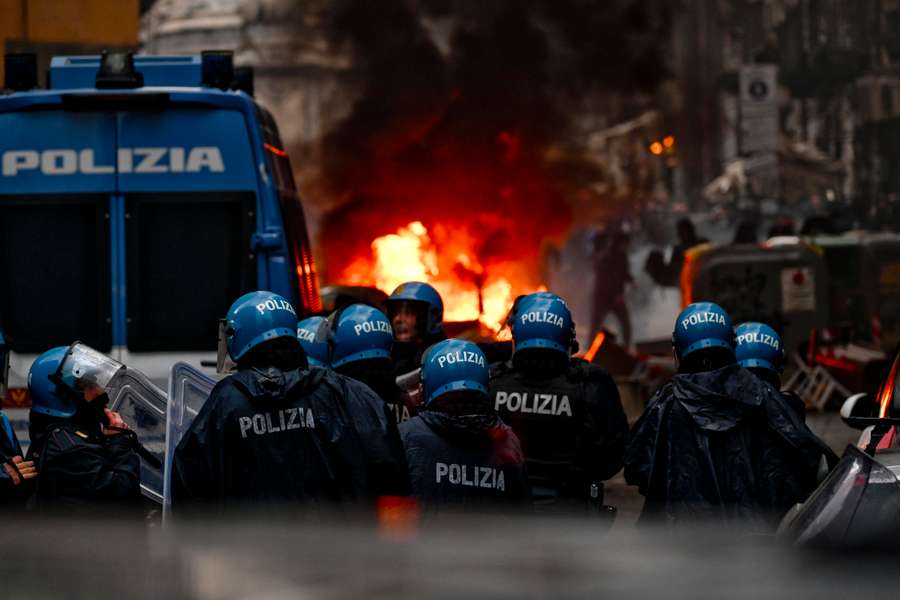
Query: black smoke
[(494, 84)]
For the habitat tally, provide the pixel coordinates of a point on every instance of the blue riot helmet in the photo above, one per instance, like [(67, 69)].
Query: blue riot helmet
[(758, 345), (702, 325), (451, 366), (316, 350), (256, 318), (46, 397), (358, 332), (542, 320), (4, 365), (427, 298)]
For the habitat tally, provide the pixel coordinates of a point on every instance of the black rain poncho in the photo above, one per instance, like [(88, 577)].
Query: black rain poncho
[(722, 445), (464, 462), (279, 438)]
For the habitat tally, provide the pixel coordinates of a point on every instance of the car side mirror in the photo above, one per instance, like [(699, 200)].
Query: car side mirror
[(859, 411)]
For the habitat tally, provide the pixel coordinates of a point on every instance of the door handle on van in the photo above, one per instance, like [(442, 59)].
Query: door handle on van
[(266, 241)]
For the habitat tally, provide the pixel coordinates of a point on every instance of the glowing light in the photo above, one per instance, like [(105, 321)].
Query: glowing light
[(668, 141), (404, 256), (656, 148), (275, 151), (595, 346), (470, 291), (886, 393)]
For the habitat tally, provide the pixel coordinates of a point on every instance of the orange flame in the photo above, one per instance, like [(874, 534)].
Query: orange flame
[(595, 346), (470, 292), (886, 393)]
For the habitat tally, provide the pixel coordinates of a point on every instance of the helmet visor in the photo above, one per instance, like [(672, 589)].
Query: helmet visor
[(83, 369)]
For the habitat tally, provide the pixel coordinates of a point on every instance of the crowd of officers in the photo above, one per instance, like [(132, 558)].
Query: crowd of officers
[(360, 406)]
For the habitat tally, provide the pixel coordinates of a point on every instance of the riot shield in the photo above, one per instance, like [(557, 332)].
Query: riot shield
[(143, 406), (188, 390)]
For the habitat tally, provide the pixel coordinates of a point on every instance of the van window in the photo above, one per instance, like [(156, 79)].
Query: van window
[(188, 258), (304, 272), (55, 271)]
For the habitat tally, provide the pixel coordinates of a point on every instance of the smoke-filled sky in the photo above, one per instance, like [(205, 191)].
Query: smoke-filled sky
[(466, 113)]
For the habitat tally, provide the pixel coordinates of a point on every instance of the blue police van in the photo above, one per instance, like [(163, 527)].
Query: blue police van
[(139, 196)]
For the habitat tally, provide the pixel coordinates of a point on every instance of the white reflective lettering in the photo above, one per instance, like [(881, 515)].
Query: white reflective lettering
[(286, 419), (531, 403), (86, 164), (19, 160), (245, 423), (176, 160), (259, 424), (476, 476), (125, 160), (59, 162), (150, 158), (207, 157)]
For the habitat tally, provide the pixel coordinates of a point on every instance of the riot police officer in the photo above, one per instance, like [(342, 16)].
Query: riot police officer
[(416, 313), (461, 455), (281, 434), (759, 349), (316, 351), (716, 442), (85, 453), (566, 412), (17, 474), (359, 340)]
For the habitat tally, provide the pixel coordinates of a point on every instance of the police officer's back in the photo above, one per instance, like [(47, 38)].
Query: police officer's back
[(279, 433), (416, 312), (566, 412), (716, 442), (84, 452), (461, 455)]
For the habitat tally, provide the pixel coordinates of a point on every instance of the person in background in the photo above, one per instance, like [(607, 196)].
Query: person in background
[(611, 276), (17, 474), (416, 312)]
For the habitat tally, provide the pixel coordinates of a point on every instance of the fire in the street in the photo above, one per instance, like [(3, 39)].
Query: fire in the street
[(470, 292)]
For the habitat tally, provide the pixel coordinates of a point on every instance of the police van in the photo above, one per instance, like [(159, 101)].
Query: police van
[(139, 196)]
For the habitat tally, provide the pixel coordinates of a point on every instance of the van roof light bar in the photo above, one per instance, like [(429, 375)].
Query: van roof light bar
[(217, 69), (243, 80), (117, 72)]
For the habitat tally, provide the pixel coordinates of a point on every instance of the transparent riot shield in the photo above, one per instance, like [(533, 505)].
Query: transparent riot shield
[(188, 390), (143, 406)]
